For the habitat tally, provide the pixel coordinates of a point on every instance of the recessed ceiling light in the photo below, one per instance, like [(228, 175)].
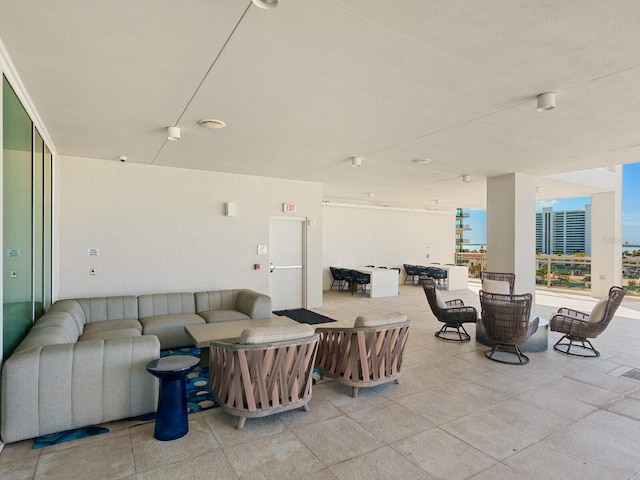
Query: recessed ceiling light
[(212, 123), (421, 161)]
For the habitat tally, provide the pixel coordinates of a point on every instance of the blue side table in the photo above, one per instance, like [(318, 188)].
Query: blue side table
[(171, 416)]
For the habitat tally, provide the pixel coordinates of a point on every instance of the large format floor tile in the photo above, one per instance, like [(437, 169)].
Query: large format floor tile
[(455, 415)]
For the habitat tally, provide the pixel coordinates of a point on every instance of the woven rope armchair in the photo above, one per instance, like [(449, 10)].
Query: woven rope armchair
[(256, 380), (362, 356), (506, 321), (453, 313), (579, 326)]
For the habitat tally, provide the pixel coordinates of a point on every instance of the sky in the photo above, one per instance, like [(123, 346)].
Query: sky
[(630, 209)]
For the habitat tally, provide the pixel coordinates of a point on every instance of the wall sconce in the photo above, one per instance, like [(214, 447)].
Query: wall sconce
[(230, 209)]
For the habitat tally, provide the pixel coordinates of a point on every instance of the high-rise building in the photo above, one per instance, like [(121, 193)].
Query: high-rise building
[(565, 232), (460, 229)]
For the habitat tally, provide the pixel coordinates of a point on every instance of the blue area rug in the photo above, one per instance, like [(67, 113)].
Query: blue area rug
[(198, 398)]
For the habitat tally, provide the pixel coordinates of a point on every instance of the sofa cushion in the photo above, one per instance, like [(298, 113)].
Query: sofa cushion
[(380, 320), (256, 335), (165, 304), (100, 309), (216, 300), (113, 334), (213, 316), (112, 325), (170, 328), (71, 308)]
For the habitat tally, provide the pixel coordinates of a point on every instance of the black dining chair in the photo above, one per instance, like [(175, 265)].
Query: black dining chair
[(336, 276), (362, 279)]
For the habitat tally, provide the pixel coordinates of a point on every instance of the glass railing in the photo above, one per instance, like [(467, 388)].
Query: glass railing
[(561, 271)]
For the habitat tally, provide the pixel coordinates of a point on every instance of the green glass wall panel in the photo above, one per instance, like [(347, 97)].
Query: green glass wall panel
[(17, 212), (27, 221)]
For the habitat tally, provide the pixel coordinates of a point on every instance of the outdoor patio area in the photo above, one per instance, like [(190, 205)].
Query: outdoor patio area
[(454, 415)]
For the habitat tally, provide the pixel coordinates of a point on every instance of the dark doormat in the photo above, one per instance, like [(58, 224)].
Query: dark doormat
[(302, 315)]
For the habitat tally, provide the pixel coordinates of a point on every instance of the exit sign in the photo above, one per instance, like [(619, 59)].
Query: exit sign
[(289, 207)]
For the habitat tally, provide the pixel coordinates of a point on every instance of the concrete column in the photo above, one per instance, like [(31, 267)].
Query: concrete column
[(606, 241), (511, 228)]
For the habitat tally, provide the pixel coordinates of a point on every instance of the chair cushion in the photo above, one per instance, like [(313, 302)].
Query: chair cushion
[(380, 320), (599, 309), (252, 336), (496, 286), (439, 299)]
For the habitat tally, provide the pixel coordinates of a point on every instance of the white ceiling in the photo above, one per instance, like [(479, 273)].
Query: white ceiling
[(308, 85)]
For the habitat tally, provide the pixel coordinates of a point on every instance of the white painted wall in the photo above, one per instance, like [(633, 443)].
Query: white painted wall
[(163, 229), (390, 238)]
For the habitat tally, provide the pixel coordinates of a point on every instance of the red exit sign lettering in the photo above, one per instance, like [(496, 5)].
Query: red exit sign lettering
[(288, 207)]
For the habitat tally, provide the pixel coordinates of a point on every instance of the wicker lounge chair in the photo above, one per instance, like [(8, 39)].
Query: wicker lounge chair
[(452, 313), (368, 354), (579, 327), (506, 322), (267, 371)]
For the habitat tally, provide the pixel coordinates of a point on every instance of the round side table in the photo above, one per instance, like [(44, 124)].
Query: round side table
[(171, 416)]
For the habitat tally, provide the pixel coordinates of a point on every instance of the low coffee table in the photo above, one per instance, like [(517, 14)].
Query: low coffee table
[(203, 334)]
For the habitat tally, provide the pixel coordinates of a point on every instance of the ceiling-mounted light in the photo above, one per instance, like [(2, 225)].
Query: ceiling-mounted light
[(466, 178), (173, 133), (356, 161), (266, 4), (370, 195), (546, 101), (421, 161), (212, 123)]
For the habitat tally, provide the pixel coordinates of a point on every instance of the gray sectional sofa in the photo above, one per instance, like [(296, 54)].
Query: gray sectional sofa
[(83, 362)]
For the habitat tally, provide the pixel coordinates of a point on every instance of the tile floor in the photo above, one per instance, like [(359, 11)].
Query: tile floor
[(454, 415)]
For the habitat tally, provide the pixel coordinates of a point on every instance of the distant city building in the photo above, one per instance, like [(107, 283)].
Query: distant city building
[(564, 232), (460, 229)]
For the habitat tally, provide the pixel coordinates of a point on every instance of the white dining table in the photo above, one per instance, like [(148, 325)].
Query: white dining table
[(384, 282)]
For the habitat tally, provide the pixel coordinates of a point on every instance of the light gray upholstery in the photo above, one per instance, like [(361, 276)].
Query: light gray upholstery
[(53, 383), (99, 309), (219, 306), (165, 304), (170, 328), (83, 362), (214, 316)]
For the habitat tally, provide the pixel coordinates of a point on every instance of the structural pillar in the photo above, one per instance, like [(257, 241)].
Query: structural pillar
[(511, 228), (606, 241)]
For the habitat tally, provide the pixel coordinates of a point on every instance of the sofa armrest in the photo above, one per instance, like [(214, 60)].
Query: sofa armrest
[(254, 304), (54, 388)]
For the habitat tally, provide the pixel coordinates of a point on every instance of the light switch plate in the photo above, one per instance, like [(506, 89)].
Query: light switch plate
[(262, 249)]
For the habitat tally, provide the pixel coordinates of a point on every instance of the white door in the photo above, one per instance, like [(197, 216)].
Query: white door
[(286, 257)]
